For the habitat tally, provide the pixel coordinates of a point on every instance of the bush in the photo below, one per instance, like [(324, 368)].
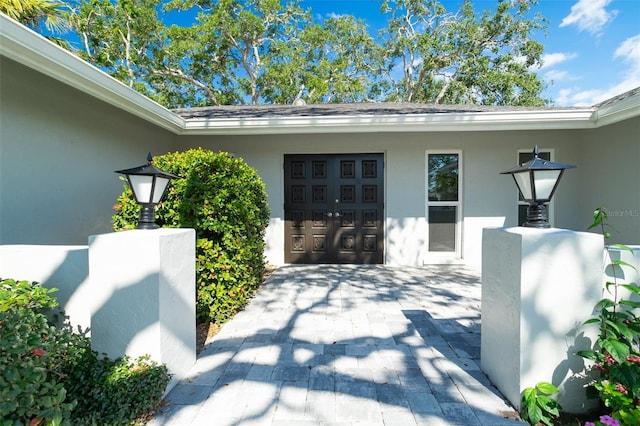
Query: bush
[(50, 375), (29, 388), (616, 351), (224, 200)]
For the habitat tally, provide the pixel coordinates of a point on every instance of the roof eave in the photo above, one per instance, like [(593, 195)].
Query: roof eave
[(615, 112), (26, 47), (475, 121)]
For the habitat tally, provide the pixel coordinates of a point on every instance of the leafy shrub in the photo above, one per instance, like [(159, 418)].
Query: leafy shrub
[(50, 376), (115, 392), (616, 351), (224, 200), (537, 406)]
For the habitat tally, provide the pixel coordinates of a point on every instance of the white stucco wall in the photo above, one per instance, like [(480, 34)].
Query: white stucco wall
[(58, 150), (538, 286), (63, 267), (144, 291), (489, 199)]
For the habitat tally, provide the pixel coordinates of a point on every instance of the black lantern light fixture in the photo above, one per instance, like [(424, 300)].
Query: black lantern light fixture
[(148, 184), (537, 181)]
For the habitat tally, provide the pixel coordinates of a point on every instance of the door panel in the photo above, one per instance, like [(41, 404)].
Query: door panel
[(334, 208)]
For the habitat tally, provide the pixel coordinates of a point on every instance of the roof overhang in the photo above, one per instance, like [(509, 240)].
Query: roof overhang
[(620, 110), (28, 48), (444, 122), (24, 46)]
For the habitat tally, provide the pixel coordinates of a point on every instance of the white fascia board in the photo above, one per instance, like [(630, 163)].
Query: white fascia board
[(439, 122), (28, 48), (623, 109)]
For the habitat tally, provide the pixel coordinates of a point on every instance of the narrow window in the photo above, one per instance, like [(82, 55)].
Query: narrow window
[(444, 203)]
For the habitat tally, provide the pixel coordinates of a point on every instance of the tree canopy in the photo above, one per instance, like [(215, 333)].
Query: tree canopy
[(273, 51)]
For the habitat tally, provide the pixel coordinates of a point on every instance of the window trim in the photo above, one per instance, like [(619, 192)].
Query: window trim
[(439, 256)]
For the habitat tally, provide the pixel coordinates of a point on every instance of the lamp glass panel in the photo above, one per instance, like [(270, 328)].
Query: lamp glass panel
[(161, 185), (545, 181), (524, 184), (141, 186)]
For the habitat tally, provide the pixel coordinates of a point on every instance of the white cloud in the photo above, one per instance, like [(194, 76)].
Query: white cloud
[(628, 52), (334, 15), (551, 59), (589, 15), (555, 75)]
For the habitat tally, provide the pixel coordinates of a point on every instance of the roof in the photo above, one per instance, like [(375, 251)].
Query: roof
[(28, 48), (336, 109)]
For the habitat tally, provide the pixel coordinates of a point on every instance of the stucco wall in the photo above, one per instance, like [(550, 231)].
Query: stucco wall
[(611, 157), (489, 199), (59, 148), (74, 141)]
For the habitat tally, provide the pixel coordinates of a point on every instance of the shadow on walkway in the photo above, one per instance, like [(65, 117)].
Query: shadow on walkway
[(344, 344)]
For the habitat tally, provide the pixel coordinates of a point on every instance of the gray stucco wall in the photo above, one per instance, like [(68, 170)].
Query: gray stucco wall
[(489, 199), (611, 177), (59, 148)]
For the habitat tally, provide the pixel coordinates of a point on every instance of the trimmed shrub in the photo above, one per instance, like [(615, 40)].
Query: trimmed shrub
[(225, 201), (50, 375), (31, 354)]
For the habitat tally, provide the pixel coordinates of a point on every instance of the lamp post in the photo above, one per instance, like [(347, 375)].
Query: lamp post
[(537, 181), (148, 184)]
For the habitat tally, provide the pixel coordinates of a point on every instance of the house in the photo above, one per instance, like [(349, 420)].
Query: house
[(400, 184)]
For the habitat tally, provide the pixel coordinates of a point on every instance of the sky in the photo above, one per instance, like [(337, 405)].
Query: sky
[(592, 47)]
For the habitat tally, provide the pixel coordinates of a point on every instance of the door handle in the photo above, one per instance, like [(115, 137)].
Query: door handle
[(337, 214), (329, 214)]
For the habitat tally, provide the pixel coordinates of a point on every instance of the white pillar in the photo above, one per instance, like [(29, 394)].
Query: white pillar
[(143, 296), (538, 286)]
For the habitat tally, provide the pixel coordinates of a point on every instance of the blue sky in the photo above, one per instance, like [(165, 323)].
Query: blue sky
[(592, 47)]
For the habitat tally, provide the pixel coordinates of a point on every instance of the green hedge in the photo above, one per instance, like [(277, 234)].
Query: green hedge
[(225, 201), (50, 376)]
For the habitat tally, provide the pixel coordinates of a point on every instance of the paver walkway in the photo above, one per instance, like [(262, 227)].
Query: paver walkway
[(344, 344)]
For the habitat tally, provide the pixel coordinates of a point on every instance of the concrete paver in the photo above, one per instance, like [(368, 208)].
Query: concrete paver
[(346, 345)]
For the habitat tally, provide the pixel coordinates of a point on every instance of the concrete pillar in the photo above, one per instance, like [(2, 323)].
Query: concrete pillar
[(143, 296), (538, 286)]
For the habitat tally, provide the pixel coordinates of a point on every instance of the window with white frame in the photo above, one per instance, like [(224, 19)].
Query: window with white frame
[(525, 155), (444, 202)]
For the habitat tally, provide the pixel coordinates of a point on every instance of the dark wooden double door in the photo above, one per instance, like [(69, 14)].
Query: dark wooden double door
[(334, 208)]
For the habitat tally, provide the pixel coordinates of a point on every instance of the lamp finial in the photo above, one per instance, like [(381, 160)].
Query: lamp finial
[(149, 158)]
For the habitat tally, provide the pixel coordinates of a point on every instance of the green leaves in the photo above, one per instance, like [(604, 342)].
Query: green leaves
[(51, 374), (463, 58), (537, 406), (269, 51), (225, 201), (616, 352)]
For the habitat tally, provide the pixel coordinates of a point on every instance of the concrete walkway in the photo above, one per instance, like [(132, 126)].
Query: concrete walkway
[(344, 345)]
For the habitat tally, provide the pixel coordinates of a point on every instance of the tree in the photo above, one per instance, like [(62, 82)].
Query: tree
[(249, 36), (334, 61), (267, 51), (436, 56), (35, 13), (124, 38)]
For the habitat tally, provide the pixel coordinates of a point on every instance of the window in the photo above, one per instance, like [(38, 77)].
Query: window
[(443, 203), (525, 155)]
